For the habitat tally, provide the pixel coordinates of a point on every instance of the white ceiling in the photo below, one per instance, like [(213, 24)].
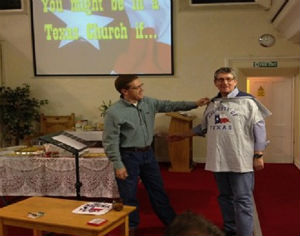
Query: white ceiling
[(283, 14), (287, 22)]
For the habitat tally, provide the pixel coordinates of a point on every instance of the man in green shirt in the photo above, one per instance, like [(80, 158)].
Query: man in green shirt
[(127, 138)]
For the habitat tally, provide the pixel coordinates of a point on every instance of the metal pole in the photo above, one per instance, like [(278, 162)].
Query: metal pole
[(78, 184)]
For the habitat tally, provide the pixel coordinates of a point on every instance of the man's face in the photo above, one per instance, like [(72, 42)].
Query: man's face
[(135, 91), (225, 83)]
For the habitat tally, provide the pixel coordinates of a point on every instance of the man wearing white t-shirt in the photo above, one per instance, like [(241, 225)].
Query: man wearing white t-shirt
[(233, 123)]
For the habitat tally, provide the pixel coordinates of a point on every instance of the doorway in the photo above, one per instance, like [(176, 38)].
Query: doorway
[(276, 93)]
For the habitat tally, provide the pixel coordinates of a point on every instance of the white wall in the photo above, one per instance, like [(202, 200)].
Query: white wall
[(203, 38)]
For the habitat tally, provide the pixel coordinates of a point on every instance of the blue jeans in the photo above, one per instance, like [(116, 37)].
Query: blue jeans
[(145, 166), (235, 200)]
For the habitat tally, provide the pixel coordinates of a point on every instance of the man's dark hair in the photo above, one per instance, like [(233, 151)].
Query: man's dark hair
[(189, 223), (123, 81), (225, 70)]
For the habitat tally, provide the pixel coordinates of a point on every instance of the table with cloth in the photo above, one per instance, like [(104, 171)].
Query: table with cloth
[(55, 176)]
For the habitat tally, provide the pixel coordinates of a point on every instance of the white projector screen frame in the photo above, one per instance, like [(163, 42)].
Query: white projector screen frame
[(102, 37)]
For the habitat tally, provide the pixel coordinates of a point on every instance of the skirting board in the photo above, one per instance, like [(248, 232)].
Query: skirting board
[(297, 164)]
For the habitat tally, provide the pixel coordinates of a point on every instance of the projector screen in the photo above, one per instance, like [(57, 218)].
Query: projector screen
[(102, 37)]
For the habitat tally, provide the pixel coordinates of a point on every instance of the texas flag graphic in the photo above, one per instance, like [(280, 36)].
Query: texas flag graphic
[(221, 119)]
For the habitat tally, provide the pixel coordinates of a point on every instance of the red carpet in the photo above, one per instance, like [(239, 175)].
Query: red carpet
[(276, 194), (194, 191), (277, 198)]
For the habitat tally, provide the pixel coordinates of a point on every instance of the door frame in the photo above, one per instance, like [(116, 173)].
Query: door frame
[(286, 67), (1, 64)]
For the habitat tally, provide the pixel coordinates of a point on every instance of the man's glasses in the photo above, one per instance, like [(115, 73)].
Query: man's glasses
[(136, 87), (228, 80)]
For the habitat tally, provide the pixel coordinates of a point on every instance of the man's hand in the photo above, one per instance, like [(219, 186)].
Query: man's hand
[(258, 163), (202, 102), (121, 173)]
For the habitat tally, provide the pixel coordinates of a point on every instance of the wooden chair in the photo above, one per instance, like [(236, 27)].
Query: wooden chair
[(52, 124)]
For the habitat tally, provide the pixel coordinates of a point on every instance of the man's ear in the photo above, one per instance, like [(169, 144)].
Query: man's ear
[(236, 83), (124, 91), (215, 83)]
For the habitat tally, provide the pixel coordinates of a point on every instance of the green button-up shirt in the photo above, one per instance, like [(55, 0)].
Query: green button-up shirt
[(127, 125)]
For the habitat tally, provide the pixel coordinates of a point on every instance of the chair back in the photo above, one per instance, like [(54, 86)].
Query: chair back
[(52, 124)]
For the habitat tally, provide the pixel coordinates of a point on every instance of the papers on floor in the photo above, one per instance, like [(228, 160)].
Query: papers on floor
[(93, 208)]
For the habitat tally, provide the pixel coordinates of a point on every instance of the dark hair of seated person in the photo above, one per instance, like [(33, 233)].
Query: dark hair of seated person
[(189, 223)]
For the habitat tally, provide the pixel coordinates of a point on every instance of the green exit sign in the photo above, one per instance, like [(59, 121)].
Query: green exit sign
[(265, 64)]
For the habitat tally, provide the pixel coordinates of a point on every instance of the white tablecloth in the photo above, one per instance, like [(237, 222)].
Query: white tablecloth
[(41, 176)]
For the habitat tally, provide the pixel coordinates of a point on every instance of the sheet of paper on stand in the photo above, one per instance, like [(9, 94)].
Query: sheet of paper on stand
[(69, 141), (87, 135), (91, 138)]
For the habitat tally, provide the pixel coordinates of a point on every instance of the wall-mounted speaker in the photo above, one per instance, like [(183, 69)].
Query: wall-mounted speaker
[(13, 6), (10, 4)]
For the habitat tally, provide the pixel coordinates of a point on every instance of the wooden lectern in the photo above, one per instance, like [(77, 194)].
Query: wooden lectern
[(181, 152)]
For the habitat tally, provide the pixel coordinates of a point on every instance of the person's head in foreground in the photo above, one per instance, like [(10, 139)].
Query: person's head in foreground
[(189, 223)]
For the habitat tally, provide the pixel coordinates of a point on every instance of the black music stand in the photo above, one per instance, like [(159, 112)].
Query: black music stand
[(68, 147)]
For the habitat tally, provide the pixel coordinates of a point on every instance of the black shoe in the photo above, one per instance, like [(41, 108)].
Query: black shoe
[(230, 233), (132, 231)]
